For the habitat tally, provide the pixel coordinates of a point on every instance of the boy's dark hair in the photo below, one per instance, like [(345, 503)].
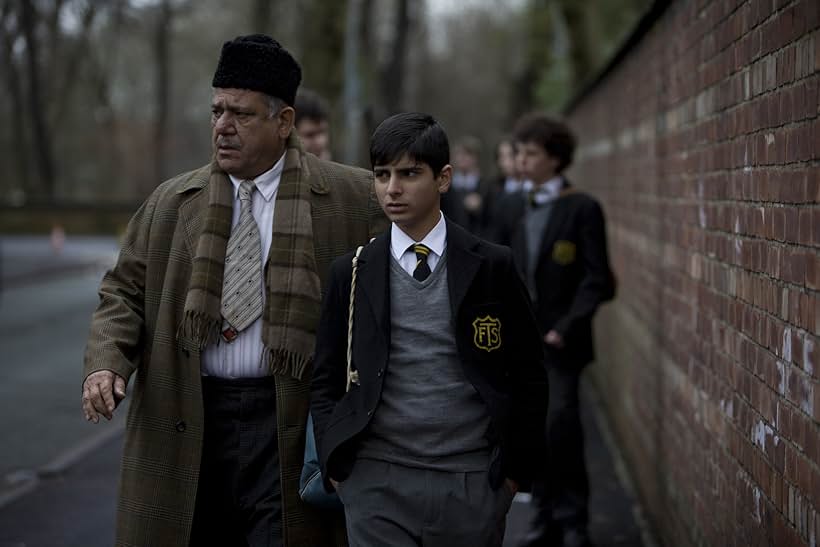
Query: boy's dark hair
[(311, 106), (418, 135), (552, 135)]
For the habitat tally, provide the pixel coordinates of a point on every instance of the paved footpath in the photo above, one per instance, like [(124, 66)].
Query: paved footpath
[(58, 475), (77, 506)]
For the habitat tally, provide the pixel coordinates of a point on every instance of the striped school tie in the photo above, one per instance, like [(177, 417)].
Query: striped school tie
[(242, 284), (422, 268)]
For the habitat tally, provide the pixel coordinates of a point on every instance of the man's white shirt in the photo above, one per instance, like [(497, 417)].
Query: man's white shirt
[(242, 358)]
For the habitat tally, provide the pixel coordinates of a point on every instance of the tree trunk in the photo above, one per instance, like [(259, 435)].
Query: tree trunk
[(352, 84), (162, 47), (261, 15), (79, 51), (18, 135), (579, 43), (43, 151), (392, 80)]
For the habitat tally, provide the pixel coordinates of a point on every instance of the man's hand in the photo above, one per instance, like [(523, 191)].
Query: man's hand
[(102, 392), (554, 339), (512, 485), (335, 484)]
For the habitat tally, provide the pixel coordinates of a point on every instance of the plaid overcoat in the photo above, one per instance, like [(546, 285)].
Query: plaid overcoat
[(133, 333)]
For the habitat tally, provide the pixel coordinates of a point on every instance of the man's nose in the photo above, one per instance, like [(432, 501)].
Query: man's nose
[(223, 124)]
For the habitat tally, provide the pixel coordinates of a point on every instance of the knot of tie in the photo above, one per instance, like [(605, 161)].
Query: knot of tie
[(422, 268), (246, 188)]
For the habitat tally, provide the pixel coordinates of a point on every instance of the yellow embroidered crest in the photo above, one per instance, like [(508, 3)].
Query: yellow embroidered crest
[(563, 252), (487, 333)]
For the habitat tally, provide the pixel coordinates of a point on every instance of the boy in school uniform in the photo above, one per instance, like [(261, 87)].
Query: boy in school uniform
[(443, 420)]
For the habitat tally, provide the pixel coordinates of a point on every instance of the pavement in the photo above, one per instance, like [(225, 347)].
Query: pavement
[(59, 475), (28, 259)]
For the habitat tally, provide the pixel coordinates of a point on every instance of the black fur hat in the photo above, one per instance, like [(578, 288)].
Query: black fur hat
[(259, 63)]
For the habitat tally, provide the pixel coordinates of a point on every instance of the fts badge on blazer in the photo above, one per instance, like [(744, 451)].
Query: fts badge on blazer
[(487, 333)]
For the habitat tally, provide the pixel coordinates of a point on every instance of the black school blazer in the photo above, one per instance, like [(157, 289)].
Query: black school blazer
[(572, 275), (505, 365)]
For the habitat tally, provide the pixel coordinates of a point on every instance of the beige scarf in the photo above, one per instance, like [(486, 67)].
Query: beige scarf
[(293, 292)]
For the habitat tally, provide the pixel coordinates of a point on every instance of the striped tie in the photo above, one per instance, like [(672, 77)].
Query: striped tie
[(422, 268), (242, 286)]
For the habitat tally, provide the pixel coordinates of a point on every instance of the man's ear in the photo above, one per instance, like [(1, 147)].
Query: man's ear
[(285, 119), (444, 178)]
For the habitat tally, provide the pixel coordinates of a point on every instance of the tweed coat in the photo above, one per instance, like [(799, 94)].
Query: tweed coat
[(133, 333)]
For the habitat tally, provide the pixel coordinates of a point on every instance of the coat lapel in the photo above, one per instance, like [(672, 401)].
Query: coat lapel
[(463, 264), (372, 281), (557, 219), (192, 210)]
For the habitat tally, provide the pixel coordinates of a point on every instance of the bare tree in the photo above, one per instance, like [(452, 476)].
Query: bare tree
[(261, 15), (43, 150), (18, 135), (162, 58), (392, 77), (352, 83), (76, 53)]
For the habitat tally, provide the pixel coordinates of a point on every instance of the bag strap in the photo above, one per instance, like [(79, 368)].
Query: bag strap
[(352, 375)]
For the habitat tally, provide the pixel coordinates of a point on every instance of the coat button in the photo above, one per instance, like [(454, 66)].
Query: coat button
[(180, 426), (379, 373), (369, 412)]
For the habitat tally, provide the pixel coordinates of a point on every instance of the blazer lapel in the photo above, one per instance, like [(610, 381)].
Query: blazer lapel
[(462, 262), (556, 220), (372, 281)]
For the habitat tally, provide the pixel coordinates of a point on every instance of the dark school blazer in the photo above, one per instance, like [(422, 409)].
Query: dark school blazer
[(496, 336), (572, 277)]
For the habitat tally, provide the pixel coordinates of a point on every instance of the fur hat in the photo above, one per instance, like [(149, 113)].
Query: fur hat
[(259, 63)]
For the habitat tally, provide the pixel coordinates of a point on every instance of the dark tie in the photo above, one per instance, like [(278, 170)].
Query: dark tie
[(422, 268)]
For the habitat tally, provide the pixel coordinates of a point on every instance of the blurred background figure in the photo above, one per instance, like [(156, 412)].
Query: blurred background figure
[(505, 159), (468, 190), (312, 123), (507, 180)]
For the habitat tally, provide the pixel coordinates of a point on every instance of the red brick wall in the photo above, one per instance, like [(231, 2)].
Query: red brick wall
[(703, 144)]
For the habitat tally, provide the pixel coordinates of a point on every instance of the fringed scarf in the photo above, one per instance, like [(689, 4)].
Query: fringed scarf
[(293, 293)]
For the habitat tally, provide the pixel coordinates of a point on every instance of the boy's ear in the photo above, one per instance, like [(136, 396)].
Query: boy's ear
[(444, 178)]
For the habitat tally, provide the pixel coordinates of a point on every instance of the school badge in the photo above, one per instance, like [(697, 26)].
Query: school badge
[(487, 333), (563, 252)]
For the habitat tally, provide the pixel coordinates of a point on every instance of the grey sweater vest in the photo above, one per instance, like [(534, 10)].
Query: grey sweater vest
[(430, 416)]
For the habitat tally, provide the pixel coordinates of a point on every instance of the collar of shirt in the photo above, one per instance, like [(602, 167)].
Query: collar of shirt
[(267, 183), (435, 240), (548, 191)]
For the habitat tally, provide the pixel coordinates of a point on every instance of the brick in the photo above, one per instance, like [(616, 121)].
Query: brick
[(804, 233), (798, 260), (791, 224)]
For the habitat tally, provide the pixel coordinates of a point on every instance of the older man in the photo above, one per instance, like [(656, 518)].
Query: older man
[(212, 308)]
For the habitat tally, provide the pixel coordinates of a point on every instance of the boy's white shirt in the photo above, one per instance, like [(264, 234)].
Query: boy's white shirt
[(435, 240)]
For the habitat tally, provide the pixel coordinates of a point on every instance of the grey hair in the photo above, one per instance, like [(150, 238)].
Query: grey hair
[(275, 104)]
